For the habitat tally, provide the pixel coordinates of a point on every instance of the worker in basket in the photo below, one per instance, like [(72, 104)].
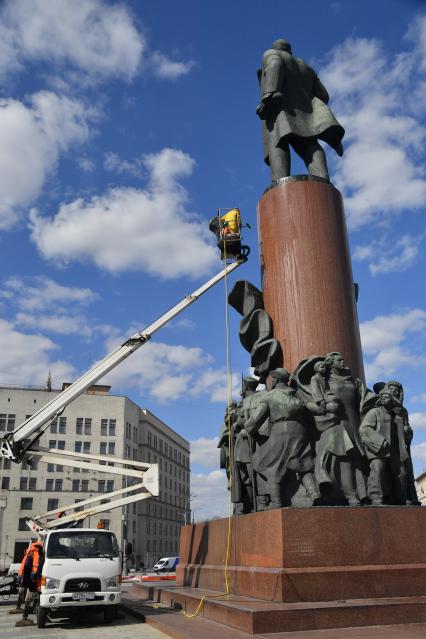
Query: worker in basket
[(227, 229), (31, 580)]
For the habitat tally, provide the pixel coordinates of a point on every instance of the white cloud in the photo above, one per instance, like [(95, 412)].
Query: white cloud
[(215, 382), (60, 324), (26, 359), (384, 343), (389, 254), (168, 372), (33, 136), (112, 162), (86, 165), (164, 67), (418, 420), (43, 305), (211, 497), (184, 322), (95, 37), (419, 451), (133, 229), (421, 398), (381, 172), (39, 293), (204, 451)]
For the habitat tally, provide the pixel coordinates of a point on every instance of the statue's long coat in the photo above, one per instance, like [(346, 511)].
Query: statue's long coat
[(303, 110), (288, 445)]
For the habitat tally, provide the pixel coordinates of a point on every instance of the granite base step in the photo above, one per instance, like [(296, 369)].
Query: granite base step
[(253, 616)]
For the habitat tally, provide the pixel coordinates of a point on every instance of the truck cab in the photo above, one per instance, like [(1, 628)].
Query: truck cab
[(82, 568)]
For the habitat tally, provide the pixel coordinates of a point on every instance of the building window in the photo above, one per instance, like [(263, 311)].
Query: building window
[(52, 504), (101, 485), (22, 524), (103, 448), (6, 464), (52, 443), (11, 422), (61, 444), (26, 503), (104, 427), (5, 483), (84, 485), (58, 485), (23, 483), (88, 426), (79, 426), (54, 426), (3, 419), (50, 468), (63, 425), (76, 501), (111, 448), (75, 485), (112, 424), (32, 483), (77, 447), (86, 447), (49, 484), (110, 485)]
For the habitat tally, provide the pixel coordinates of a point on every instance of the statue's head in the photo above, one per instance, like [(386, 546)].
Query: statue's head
[(248, 385), (320, 367), (335, 361), (395, 389), (282, 45), (280, 376), (385, 398)]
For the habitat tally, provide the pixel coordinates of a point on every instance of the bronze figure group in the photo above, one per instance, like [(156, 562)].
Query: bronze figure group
[(318, 437)]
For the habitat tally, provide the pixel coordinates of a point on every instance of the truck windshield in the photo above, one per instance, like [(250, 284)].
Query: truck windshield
[(81, 545)]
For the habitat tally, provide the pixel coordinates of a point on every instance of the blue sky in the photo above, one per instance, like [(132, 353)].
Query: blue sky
[(124, 126)]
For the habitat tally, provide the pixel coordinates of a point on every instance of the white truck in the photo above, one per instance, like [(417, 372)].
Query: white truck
[(87, 571), (82, 568)]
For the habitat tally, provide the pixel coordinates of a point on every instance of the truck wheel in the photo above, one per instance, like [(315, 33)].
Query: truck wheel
[(41, 617)]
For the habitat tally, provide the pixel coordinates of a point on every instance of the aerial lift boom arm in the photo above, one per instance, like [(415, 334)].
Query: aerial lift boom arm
[(145, 474), (15, 444)]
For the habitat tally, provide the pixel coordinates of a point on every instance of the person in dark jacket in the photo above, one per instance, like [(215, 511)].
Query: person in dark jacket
[(31, 580)]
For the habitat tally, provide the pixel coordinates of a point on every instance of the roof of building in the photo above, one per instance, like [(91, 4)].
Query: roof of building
[(422, 474)]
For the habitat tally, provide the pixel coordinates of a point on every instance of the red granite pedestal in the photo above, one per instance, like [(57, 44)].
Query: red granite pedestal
[(307, 282), (307, 568)]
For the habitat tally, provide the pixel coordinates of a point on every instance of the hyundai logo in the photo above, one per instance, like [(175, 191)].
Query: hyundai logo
[(83, 585)]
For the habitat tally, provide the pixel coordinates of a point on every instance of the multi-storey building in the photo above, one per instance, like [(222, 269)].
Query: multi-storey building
[(101, 423), (421, 487)]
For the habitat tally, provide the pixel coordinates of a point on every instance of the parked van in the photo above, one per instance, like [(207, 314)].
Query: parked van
[(166, 564)]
